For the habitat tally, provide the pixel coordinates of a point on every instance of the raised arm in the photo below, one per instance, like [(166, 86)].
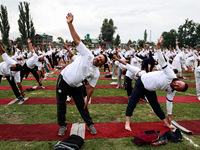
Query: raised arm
[(74, 35), (42, 46), (2, 50), (70, 52), (23, 48), (177, 47), (30, 47), (121, 61)]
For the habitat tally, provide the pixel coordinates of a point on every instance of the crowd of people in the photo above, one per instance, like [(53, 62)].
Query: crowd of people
[(82, 67)]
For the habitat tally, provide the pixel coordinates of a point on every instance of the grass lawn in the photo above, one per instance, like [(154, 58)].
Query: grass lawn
[(101, 113)]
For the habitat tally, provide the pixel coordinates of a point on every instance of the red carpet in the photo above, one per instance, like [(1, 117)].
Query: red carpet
[(188, 77), (99, 100), (53, 87), (43, 132), (5, 101), (100, 73), (192, 125), (32, 78)]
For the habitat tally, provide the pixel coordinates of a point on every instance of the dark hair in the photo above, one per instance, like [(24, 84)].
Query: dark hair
[(175, 71), (18, 67), (106, 59), (185, 88)]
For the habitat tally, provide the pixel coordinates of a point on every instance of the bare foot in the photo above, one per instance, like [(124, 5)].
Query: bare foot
[(169, 126), (127, 127)]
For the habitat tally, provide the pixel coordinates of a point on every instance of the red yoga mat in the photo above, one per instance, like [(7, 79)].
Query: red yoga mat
[(53, 87), (192, 125), (43, 132), (100, 100)]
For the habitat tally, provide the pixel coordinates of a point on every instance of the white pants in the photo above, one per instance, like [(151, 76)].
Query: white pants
[(197, 79)]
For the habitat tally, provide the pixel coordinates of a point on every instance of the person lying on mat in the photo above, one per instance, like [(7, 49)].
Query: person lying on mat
[(85, 66), (149, 83), (11, 70)]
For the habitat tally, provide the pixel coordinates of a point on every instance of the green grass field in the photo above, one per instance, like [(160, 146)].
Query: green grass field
[(101, 113)]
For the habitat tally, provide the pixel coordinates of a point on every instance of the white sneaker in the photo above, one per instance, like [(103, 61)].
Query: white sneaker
[(114, 77), (68, 98), (42, 87), (198, 97)]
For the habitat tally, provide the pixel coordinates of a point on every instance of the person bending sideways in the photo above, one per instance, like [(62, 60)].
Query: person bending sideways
[(149, 83), (11, 70), (70, 80)]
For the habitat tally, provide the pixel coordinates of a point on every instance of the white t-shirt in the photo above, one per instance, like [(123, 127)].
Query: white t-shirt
[(160, 80), (81, 68), (32, 62), (5, 67)]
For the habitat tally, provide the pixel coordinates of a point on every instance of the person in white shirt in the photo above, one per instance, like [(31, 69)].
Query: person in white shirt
[(149, 83), (32, 63), (85, 66), (197, 74), (11, 70)]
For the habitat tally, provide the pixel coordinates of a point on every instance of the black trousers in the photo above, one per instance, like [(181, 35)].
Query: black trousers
[(146, 62), (50, 61), (12, 84), (129, 86), (77, 93), (26, 70), (106, 66), (138, 92)]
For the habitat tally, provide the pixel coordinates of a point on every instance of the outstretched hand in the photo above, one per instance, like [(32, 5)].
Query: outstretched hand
[(28, 40), (115, 57), (86, 104), (159, 43), (70, 18), (2, 49), (176, 42)]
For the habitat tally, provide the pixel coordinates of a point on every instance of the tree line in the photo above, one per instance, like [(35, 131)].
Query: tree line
[(25, 23)]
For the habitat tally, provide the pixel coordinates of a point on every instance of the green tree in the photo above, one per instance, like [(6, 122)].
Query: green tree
[(25, 22), (117, 40), (4, 25), (145, 35), (169, 38), (187, 33), (198, 34), (129, 42), (60, 40), (140, 42), (107, 31)]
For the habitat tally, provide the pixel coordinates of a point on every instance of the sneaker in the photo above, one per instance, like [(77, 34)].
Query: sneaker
[(62, 130), (68, 98), (198, 97), (21, 98), (114, 78), (144, 99), (160, 141), (42, 87), (92, 129)]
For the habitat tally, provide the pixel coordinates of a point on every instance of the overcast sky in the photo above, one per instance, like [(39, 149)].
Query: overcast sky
[(131, 17)]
